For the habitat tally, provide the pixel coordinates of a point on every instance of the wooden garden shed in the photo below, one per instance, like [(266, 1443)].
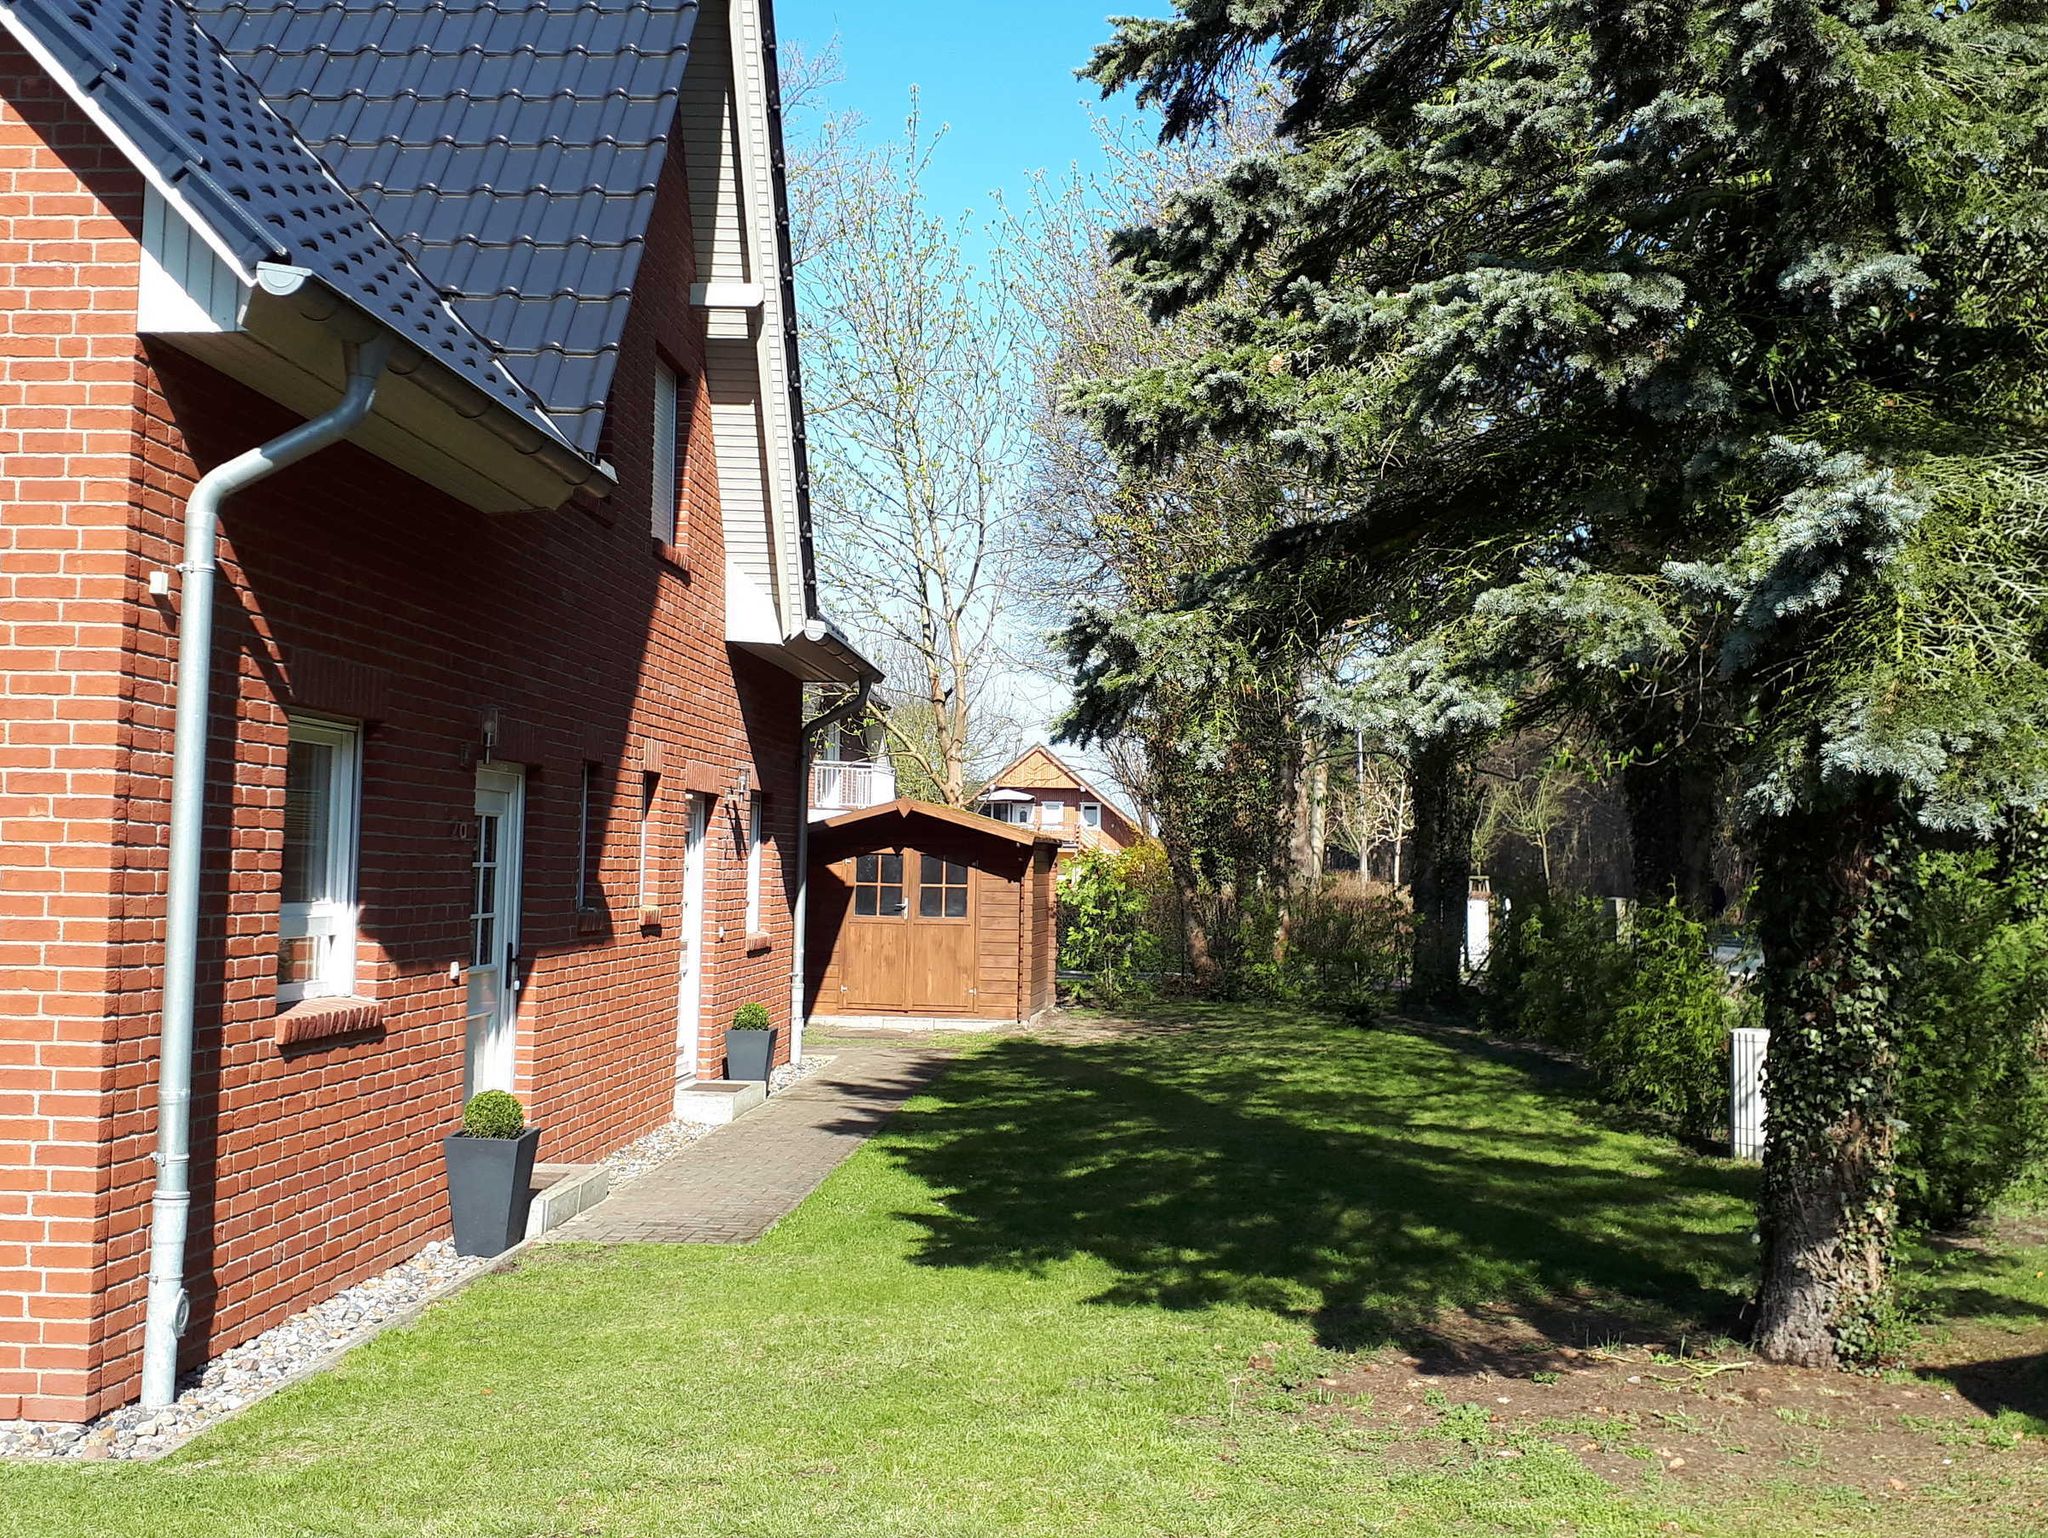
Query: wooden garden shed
[(927, 911)]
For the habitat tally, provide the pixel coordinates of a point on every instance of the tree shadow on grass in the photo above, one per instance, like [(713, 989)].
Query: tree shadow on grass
[(1364, 1182)]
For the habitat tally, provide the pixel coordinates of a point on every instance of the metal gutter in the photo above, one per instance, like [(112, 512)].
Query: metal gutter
[(171, 1203), (320, 302)]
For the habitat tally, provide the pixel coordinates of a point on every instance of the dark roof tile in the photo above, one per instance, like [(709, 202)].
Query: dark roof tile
[(512, 147), (207, 130)]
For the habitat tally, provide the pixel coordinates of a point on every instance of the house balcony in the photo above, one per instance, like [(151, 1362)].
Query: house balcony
[(841, 786)]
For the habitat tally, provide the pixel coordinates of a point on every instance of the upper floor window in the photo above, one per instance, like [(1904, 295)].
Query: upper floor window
[(1091, 814), (670, 426), (1052, 814), (316, 950)]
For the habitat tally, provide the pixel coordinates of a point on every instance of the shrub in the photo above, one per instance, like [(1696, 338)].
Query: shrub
[(1649, 1014), (1347, 942), (751, 1017), (1109, 921), (1972, 999), (1666, 1048), (493, 1114)]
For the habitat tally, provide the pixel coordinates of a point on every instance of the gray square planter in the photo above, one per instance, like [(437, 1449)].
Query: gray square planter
[(748, 1054), (490, 1184)]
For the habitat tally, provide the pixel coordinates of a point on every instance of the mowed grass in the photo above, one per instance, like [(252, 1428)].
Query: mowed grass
[(1028, 1308)]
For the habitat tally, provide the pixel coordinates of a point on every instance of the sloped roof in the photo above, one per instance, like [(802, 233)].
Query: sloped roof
[(904, 809), (1011, 775), (510, 148), (204, 128)]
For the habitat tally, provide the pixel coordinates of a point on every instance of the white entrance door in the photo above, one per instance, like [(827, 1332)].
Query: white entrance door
[(690, 976), (493, 991)]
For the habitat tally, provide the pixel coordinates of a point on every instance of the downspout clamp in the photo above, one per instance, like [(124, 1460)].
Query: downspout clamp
[(812, 730), (171, 1204)]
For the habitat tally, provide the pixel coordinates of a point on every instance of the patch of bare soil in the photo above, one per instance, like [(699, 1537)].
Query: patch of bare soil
[(1492, 1382)]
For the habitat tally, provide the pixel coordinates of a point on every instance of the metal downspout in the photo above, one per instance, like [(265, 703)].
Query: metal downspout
[(171, 1204), (800, 919)]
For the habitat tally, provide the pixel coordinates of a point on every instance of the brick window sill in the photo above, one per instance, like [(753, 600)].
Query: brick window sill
[(760, 945), (677, 556), (318, 1020)]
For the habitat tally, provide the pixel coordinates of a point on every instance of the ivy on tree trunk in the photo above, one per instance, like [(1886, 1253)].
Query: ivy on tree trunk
[(1832, 924)]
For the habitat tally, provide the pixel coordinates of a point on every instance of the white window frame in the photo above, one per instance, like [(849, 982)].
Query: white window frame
[(1091, 814), (1052, 814), (666, 508), (755, 822), (330, 919)]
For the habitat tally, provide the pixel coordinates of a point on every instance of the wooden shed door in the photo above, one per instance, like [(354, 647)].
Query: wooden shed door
[(909, 938)]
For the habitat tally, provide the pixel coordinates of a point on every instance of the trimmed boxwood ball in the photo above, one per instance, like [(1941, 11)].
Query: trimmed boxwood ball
[(751, 1017), (493, 1114)]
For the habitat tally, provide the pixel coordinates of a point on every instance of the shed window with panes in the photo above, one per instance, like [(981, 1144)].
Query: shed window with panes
[(941, 888), (878, 886), (316, 951)]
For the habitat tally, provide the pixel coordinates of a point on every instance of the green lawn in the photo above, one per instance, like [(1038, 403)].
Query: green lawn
[(1028, 1308)]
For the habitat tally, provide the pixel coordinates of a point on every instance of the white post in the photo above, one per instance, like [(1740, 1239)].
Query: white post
[(1478, 931), (1746, 1052)]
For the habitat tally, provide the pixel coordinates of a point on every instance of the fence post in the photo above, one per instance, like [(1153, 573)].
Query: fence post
[(1478, 924), (1747, 1049)]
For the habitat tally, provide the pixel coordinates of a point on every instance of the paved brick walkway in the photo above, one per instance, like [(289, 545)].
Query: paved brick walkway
[(738, 1182)]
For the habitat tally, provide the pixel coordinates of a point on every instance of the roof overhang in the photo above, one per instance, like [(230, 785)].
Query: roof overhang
[(283, 337), (904, 810), (818, 651), (1007, 796)]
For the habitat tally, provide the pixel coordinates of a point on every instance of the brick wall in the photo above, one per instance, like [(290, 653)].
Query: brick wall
[(351, 590), (67, 385)]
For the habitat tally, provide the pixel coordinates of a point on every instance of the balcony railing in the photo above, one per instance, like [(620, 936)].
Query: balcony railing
[(849, 787)]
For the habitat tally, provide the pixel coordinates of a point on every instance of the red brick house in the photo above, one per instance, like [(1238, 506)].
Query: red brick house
[(502, 781), (1039, 789)]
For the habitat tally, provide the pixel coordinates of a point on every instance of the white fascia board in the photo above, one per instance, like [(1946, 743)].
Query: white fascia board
[(727, 296), (749, 612), (184, 287)]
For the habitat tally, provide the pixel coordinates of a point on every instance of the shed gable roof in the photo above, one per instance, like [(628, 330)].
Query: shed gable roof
[(511, 148), (151, 75), (891, 816)]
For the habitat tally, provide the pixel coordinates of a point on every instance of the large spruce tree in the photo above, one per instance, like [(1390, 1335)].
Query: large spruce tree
[(1706, 339)]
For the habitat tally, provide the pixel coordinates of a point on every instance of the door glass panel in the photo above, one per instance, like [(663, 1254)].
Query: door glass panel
[(484, 914), (878, 886), (941, 888)]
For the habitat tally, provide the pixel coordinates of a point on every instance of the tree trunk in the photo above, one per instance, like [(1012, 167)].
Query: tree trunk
[(1672, 809), (1830, 926), (1446, 811), (1201, 957), (1311, 817)]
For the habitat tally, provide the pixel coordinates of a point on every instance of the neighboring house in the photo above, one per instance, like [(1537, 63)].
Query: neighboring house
[(850, 769), (503, 780), (1039, 790)]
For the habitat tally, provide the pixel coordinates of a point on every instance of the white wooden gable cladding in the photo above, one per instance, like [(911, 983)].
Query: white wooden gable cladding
[(728, 149)]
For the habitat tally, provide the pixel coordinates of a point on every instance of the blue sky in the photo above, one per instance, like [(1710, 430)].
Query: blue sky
[(1001, 78), (1000, 74)]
